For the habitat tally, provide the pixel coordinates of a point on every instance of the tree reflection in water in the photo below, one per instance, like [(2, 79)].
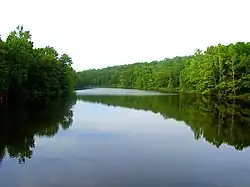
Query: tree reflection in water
[(19, 125), (219, 121)]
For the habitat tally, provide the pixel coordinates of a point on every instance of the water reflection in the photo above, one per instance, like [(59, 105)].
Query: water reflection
[(219, 121), (19, 125)]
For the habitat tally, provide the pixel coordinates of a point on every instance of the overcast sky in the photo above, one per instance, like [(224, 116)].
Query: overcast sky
[(99, 33)]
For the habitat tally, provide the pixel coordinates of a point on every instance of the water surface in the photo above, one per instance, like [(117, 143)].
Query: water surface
[(117, 91), (104, 140)]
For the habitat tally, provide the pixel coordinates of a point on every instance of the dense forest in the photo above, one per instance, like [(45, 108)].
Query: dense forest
[(219, 70), (218, 121), (29, 73)]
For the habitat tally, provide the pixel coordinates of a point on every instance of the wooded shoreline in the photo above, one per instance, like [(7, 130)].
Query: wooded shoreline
[(222, 70), (28, 73)]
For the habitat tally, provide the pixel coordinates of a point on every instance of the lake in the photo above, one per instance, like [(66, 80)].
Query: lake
[(126, 138)]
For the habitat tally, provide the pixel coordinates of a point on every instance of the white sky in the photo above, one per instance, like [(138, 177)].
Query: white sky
[(99, 33)]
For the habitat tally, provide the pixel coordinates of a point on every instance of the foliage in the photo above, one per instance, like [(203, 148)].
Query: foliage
[(219, 70), (33, 73)]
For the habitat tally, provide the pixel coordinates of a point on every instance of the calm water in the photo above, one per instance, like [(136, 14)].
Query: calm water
[(117, 91), (126, 140)]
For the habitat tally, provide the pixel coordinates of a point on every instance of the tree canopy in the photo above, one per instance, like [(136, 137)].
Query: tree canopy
[(220, 70), (27, 72)]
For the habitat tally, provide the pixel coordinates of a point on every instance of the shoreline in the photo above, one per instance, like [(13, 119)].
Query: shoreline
[(164, 90)]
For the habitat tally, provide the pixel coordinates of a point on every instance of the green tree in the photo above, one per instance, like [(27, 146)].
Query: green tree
[(219, 70), (28, 73)]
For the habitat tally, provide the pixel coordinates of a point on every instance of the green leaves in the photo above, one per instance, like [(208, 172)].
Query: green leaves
[(65, 60), (27, 72), (220, 70)]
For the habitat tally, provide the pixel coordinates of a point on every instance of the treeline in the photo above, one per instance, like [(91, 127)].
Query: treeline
[(31, 73), (19, 125), (219, 70), (218, 121)]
